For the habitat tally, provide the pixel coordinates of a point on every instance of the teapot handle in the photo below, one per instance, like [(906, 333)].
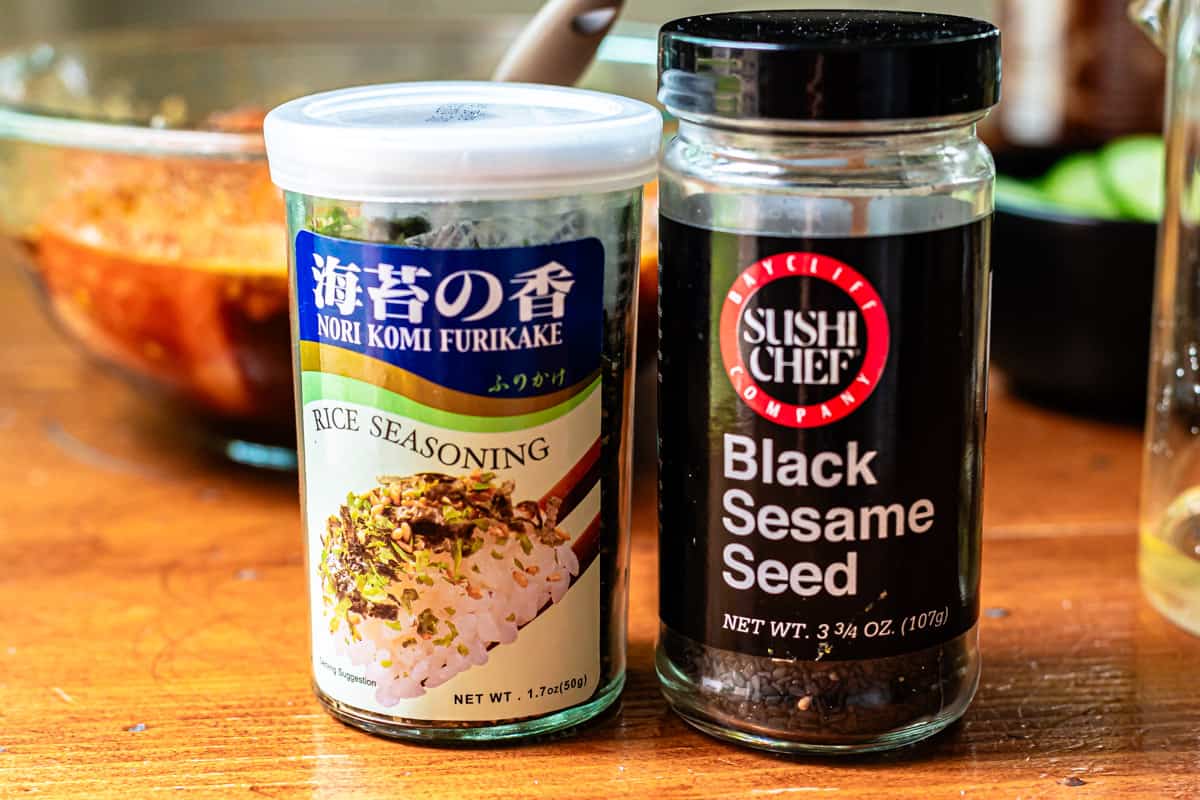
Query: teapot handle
[(1151, 17)]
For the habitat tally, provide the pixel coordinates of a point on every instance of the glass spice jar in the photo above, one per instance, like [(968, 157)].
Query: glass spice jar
[(824, 310), (464, 267), (1169, 552)]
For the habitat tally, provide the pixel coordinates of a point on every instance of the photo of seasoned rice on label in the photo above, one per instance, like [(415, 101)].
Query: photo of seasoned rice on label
[(422, 575)]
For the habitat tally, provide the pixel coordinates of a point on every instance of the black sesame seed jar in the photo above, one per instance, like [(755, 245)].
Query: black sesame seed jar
[(824, 290)]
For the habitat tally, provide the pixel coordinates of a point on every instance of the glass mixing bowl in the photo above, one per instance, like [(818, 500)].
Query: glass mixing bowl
[(134, 186)]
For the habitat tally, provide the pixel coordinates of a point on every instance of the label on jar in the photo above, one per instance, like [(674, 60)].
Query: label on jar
[(821, 423), (451, 412)]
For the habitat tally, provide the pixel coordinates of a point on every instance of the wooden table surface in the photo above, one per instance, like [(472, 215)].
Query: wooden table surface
[(153, 632)]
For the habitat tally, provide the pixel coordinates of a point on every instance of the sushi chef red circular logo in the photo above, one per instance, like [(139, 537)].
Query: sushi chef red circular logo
[(804, 338)]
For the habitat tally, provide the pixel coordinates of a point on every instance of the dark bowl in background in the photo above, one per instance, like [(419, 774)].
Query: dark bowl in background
[(1071, 310)]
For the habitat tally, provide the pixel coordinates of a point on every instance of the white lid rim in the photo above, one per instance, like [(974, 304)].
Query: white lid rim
[(412, 192), (449, 138)]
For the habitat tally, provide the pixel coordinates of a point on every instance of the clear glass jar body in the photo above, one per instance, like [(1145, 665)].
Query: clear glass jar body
[(811, 181), (1170, 503), (615, 219)]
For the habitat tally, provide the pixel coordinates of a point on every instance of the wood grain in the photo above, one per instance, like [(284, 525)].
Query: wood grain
[(153, 633)]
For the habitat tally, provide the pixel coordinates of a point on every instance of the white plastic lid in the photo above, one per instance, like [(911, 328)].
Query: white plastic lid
[(461, 140)]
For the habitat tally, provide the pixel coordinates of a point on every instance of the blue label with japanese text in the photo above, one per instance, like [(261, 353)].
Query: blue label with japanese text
[(452, 440), (515, 322)]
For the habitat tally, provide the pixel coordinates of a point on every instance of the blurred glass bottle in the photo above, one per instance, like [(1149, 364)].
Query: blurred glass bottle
[(1170, 515), (1076, 76)]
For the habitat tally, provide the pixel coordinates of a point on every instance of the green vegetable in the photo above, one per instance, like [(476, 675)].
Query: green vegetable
[(1076, 184), (337, 222), (1134, 170), (1125, 180), (427, 623), (1013, 193), (457, 556)]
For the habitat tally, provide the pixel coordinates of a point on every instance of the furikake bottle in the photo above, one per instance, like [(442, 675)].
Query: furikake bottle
[(824, 292), (464, 272)]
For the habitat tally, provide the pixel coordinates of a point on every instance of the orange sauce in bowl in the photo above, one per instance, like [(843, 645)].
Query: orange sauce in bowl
[(175, 270), (648, 278)]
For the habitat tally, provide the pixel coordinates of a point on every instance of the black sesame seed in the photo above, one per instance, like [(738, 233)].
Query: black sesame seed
[(826, 700)]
